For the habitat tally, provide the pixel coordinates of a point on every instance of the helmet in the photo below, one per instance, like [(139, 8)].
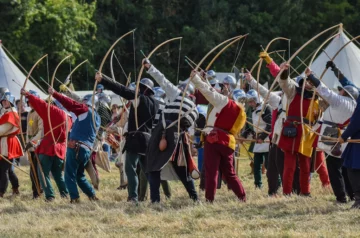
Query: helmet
[(190, 89), (299, 79), (88, 98), (8, 97), (211, 77), (132, 86), (3, 90), (147, 83), (104, 98), (100, 86), (351, 90), (159, 92), (32, 92), (230, 80), (202, 109), (252, 95), (239, 95)]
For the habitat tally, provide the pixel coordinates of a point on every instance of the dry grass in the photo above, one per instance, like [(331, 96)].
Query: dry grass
[(179, 217)]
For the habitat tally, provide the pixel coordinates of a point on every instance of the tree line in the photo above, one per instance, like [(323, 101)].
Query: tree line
[(86, 28)]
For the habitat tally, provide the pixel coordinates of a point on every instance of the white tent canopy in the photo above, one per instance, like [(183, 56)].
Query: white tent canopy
[(348, 61), (115, 99), (9, 71)]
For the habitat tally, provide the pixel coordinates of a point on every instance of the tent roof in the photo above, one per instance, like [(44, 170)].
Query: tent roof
[(9, 71), (348, 61)]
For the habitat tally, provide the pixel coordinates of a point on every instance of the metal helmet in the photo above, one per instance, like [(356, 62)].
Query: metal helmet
[(32, 92), (352, 91), (3, 90), (239, 95), (159, 92), (8, 97), (190, 90), (147, 83), (99, 86), (88, 98), (231, 81), (103, 97), (132, 86), (211, 77), (202, 109), (252, 95), (299, 79)]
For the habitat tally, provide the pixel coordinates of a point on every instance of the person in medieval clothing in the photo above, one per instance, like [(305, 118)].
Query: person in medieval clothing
[(296, 140), (23, 116), (118, 130), (137, 139), (160, 95), (10, 147), (262, 130), (225, 121), (173, 161), (278, 102), (351, 153), (227, 86), (34, 132), (334, 120), (51, 153), (80, 144)]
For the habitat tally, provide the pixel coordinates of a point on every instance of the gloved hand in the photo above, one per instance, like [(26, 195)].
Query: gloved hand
[(28, 146), (330, 64), (63, 87), (265, 56)]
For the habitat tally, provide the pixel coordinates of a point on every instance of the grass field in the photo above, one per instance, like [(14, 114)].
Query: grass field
[(112, 216)]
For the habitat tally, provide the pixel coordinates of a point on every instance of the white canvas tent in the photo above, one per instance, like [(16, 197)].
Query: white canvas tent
[(348, 61), (115, 99), (9, 71)]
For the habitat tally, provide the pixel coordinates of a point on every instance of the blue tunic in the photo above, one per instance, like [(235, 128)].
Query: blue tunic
[(84, 130), (352, 151)]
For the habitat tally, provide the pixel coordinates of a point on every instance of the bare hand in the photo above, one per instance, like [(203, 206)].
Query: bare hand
[(98, 77), (146, 63), (51, 90), (248, 76), (23, 92), (193, 73), (284, 66), (307, 71), (341, 140)]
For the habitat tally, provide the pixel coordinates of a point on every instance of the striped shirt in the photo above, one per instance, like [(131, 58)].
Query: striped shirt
[(172, 110), (158, 114)]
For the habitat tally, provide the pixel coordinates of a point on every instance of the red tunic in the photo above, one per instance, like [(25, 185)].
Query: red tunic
[(298, 143), (58, 116), (200, 99), (13, 143)]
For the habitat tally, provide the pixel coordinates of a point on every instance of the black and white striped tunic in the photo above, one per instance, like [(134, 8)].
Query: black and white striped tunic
[(188, 110), (158, 114), (157, 159)]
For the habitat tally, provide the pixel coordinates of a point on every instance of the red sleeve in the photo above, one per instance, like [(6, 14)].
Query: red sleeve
[(274, 68), (71, 105), (40, 106)]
